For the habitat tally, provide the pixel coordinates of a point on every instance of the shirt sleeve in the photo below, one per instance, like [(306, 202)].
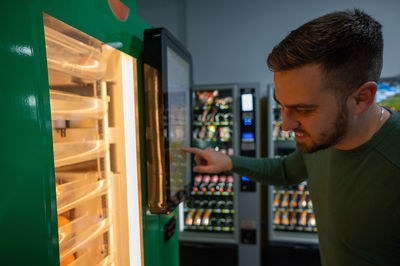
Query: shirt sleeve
[(288, 170)]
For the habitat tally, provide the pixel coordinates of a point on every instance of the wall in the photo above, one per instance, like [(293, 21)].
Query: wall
[(169, 14), (230, 39)]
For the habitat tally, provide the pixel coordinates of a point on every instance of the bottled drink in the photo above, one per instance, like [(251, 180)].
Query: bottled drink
[(293, 218), (277, 217), (189, 218), (197, 182), (303, 201), (213, 220), (211, 117), (295, 198), (229, 221), (311, 220), (197, 217), (285, 199), (204, 116), (285, 217), (303, 218), (212, 204), (221, 204), (221, 221), (212, 185), (204, 184), (229, 204), (221, 183), (277, 199), (197, 203), (229, 183), (203, 132), (309, 204), (204, 204), (195, 133), (206, 218)]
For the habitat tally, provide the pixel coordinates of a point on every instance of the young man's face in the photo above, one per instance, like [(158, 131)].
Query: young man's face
[(310, 109)]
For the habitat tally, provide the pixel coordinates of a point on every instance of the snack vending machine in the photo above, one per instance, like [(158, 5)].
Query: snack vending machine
[(217, 219), (291, 219), (73, 180)]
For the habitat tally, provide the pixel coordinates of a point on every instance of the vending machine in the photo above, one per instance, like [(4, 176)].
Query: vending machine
[(292, 227), (220, 221), (74, 179)]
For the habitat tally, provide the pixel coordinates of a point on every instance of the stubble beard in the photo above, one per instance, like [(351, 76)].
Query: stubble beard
[(329, 137)]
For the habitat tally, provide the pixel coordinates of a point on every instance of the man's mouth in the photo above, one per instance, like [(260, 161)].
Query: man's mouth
[(300, 134)]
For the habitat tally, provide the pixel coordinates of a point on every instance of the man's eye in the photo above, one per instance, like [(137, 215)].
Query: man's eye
[(304, 111)]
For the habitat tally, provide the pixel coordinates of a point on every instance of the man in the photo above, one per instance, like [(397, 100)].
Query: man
[(348, 147)]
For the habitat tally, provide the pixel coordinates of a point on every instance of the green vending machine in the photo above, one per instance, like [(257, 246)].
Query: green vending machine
[(74, 178)]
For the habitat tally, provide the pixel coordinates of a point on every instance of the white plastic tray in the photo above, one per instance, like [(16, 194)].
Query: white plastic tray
[(75, 195), (77, 152), (68, 106), (81, 240), (73, 57)]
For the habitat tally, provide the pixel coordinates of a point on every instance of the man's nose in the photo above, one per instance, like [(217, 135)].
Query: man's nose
[(289, 122)]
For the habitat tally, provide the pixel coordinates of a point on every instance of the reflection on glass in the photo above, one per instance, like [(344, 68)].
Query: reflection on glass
[(178, 79)]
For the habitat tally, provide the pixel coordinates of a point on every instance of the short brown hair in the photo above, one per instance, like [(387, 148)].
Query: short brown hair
[(348, 46)]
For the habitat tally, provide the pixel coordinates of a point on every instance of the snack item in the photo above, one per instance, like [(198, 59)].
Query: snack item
[(277, 217), (303, 218), (285, 200), (285, 217), (293, 218), (311, 220), (189, 218), (295, 198), (67, 260), (277, 199), (62, 220)]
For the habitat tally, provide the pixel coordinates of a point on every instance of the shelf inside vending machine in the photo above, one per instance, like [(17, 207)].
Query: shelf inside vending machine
[(68, 106), (92, 256), (109, 260), (68, 55), (82, 234), (79, 192), (77, 152)]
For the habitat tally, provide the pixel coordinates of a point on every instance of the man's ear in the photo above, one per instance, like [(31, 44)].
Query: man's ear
[(363, 97)]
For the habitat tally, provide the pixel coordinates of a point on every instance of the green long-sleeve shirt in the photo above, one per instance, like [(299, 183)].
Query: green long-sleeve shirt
[(355, 194)]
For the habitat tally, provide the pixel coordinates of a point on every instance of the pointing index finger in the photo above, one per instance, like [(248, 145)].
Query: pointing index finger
[(192, 150)]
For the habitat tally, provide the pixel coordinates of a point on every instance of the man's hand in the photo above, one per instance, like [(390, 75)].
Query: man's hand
[(209, 160)]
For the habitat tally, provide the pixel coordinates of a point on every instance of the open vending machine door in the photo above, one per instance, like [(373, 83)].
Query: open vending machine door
[(94, 113)]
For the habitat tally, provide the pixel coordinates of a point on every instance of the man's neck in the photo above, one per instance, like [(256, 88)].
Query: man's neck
[(363, 127)]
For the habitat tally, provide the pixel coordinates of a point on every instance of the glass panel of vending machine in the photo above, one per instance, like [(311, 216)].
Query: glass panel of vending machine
[(291, 216), (211, 205), (95, 154), (216, 216), (167, 83)]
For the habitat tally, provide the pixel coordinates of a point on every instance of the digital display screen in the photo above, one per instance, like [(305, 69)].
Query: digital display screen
[(248, 122), (247, 102), (245, 178), (248, 136), (178, 80)]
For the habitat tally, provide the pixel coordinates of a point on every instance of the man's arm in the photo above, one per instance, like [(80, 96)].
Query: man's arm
[(288, 170), (272, 171)]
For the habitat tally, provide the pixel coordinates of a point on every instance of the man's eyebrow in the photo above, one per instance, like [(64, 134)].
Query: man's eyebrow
[(298, 105)]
